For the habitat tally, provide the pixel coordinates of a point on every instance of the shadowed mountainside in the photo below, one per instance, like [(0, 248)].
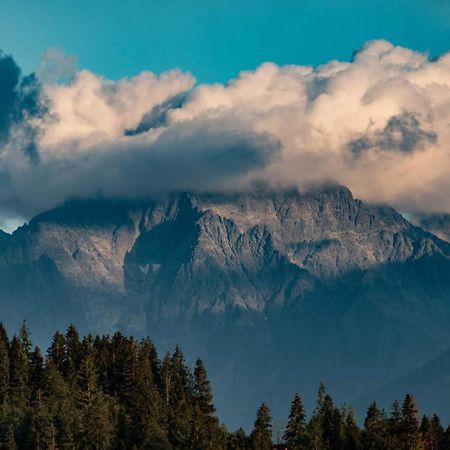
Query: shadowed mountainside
[(276, 290)]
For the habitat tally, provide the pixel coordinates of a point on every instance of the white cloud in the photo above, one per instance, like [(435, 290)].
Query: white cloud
[(379, 125)]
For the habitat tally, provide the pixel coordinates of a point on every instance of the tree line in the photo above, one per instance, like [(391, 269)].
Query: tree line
[(113, 392)]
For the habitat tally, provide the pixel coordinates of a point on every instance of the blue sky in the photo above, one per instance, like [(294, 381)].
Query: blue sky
[(214, 39)]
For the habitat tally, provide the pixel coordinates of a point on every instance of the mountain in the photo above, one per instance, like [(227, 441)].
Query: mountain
[(429, 383), (276, 290), (438, 224)]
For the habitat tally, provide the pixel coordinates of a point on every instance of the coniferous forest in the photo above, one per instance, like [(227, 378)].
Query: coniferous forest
[(116, 393)]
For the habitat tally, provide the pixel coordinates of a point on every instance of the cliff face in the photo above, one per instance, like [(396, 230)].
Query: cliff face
[(275, 290)]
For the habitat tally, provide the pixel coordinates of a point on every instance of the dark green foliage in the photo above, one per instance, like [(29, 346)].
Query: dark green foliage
[(394, 424), (261, 437), (325, 427), (331, 425), (431, 432), (115, 393), (409, 424), (296, 435), (205, 433), (238, 441), (315, 430), (102, 393), (375, 429), (351, 435)]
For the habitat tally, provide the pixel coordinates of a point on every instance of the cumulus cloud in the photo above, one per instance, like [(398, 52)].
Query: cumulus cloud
[(402, 133), (20, 103), (379, 124)]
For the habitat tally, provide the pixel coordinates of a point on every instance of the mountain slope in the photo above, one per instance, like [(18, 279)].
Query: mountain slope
[(276, 290), (429, 383)]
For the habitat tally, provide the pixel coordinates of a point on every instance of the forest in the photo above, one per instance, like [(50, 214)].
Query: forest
[(114, 392)]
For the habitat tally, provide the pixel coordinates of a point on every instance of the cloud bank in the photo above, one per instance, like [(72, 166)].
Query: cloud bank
[(379, 124)]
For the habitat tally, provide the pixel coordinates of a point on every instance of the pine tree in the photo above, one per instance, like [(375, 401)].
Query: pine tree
[(41, 431), (261, 436), (71, 361), (431, 433), (143, 418), (56, 351), (94, 406), (445, 443), (238, 440), (409, 424), (437, 431), (202, 390), (19, 374), (315, 424), (295, 435), (60, 399), (394, 423), (36, 373), (374, 435), (3, 334), (178, 395), (205, 431), (4, 371), (25, 340), (351, 438), (331, 425)]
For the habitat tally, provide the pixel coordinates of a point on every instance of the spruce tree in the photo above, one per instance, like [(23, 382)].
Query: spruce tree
[(41, 431), (238, 440), (261, 436), (409, 424), (296, 435), (437, 430), (71, 360), (351, 436), (331, 424), (445, 443), (431, 433), (374, 434), (18, 375), (178, 396), (315, 424), (56, 351), (36, 373), (94, 405), (394, 423), (4, 371), (60, 398), (205, 432), (25, 340)]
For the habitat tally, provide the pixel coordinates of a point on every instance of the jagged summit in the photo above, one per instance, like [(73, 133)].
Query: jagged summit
[(277, 276)]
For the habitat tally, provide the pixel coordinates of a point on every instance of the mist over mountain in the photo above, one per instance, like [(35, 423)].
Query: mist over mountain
[(204, 215), (275, 289), (377, 124)]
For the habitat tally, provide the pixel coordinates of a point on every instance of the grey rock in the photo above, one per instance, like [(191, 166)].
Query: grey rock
[(276, 290)]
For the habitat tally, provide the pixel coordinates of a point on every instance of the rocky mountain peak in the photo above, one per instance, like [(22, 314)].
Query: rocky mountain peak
[(270, 276)]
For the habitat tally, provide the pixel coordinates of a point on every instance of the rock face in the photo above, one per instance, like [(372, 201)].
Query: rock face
[(275, 290)]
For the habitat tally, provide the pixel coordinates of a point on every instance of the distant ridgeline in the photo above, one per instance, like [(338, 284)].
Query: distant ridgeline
[(115, 393)]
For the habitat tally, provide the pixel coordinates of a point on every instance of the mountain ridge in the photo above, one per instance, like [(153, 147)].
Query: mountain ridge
[(307, 286)]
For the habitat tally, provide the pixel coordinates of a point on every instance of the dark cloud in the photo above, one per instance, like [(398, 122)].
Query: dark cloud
[(157, 116), (203, 156), (20, 100), (317, 86), (402, 133), (9, 80)]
